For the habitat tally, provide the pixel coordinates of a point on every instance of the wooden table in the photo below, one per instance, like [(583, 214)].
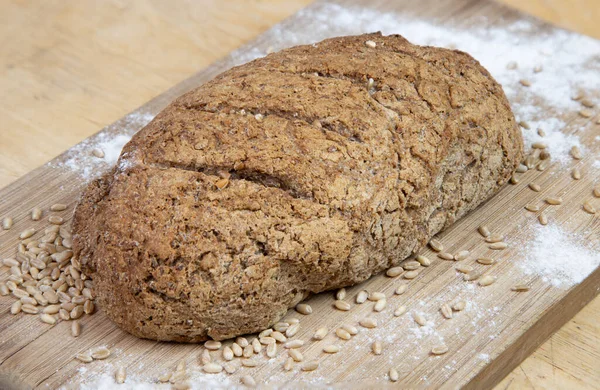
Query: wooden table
[(70, 68)]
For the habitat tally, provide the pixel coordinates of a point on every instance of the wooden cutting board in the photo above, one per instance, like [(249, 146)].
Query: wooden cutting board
[(481, 350)]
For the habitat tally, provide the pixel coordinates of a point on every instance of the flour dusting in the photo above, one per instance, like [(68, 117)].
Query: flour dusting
[(87, 166), (559, 257)]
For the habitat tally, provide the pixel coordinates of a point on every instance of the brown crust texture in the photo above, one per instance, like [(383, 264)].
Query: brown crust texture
[(331, 179)]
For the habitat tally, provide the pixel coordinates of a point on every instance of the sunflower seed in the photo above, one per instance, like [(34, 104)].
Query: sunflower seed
[(532, 207), (294, 344), (76, 313), (446, 256), (7, 223), (520, 288), (265, 333), (212, 368), (439, 350), (399, 311), (446, 311), (464, 268), (436, 245), (394, 271), (376, 296), (424, 261), (420, 319), (64, 315), (459, 305), (342, 333), (485, 261), (242, 341), (289, 363), (120, 375), (331, 349), (535, 187), (587, 103), (554, 200), (522, 168), (310, 366), (75, 328), (296, 355), (249, 363), (271, 350), (55, 220), (247, 380), (292, 330), (304, 308), (530, 161), (237, 350), (542, 166), (320, 333), (471, 276), (88, 306), (362, 296), (212, 345), (281, 326), (18, 293), (248, 351), (461, 255), (394, 376), (342, 305), (84, 357), (486, 280), (15, 308), (256, 346), (587, 206), (498, 246), (380, 304), (543, 219), (27, 233), (484, 231), (377, 347), (401, 289), (29, 301), (205, 357), (100, 353), (539, 145), (279, 337), (576, 153), (340, 294), (411, 265), (36, 214), (97, 152), (368, 323), (411, 274)]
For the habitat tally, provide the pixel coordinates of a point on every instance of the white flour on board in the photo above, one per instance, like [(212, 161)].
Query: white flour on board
[(569, 62), (80, 158), (551, 251)]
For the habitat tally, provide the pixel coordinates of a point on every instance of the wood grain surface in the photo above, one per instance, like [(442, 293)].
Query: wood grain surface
[(70, 68)]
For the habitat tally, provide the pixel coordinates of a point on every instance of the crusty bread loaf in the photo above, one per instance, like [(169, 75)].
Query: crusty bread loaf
[(290, 175)]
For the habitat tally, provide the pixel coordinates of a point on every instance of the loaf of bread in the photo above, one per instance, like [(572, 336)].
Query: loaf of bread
[(308, 170)]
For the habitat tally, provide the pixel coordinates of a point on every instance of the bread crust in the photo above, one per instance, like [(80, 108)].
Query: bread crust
[(331, 179)]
